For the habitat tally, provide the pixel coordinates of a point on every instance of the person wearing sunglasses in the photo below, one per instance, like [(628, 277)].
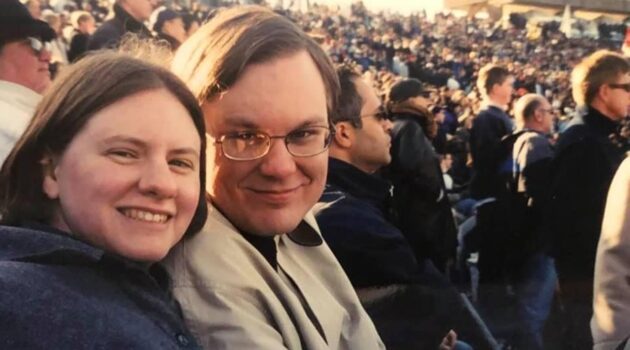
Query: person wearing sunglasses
[(419, 190), (582, 169), (24, 69)]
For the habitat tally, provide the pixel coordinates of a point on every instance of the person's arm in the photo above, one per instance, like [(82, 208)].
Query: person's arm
[(611, 303)]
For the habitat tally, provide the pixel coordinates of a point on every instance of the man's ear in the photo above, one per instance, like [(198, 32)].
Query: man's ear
[(50, 185), (344, 134)]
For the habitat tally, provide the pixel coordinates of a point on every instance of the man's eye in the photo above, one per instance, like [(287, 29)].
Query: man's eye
[(300, 134), (245, 136)]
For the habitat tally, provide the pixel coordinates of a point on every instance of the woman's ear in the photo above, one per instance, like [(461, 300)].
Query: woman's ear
[(344, 134), (50, 186)]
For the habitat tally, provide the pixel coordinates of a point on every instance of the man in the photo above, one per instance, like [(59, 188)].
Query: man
[(84, 25), (259, 275), (526, 197), (354, 214), (129, 16), (495, 84), (424, 212), (582, 169), (353, 211), (169, 26), (24, 70)]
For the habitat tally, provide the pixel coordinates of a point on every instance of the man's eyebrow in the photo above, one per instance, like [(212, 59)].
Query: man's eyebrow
[(247, 123)]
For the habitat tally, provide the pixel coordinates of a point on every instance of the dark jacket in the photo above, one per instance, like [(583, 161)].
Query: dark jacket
[(420, 198), (78, 46), (351, 215), (109, 34), (582, 170), (60, 293), (489, 126)]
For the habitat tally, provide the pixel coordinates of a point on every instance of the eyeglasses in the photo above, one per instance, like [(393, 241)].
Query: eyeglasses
[(625, 86), (38, 45), (381, 114), (250, 145)]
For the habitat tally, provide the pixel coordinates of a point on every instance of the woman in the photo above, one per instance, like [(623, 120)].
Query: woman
[(106, 179)]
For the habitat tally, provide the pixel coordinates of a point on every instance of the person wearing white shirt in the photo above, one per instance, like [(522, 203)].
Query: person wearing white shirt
[(24, 69)]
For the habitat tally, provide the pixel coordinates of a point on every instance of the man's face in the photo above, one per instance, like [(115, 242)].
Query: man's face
[(269, 195), (371, 144), (175, 28), (617, 101), (547, 116), (138, 9), (21, 64), (502, 93)]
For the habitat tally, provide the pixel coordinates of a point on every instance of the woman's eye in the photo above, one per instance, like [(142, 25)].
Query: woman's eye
[(180, 163), (122, 153)]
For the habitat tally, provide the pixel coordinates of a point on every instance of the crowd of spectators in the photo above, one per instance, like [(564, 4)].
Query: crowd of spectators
[(440, 59)]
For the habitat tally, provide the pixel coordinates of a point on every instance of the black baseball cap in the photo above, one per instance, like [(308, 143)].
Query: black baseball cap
[(17, 23)]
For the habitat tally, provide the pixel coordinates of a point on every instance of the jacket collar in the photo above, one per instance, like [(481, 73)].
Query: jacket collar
[(357, 182), (599, 122)]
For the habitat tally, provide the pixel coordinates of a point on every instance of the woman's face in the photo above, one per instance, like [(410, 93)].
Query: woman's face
[(129, 180)]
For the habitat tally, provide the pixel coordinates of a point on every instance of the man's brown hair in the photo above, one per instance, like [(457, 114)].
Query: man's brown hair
[(489, 75), (601, 67)]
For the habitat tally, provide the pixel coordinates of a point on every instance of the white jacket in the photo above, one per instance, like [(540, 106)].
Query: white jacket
[(17, 105)]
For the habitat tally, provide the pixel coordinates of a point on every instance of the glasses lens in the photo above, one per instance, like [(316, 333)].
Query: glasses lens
[(308, 141), (36, 44), (245, 145)]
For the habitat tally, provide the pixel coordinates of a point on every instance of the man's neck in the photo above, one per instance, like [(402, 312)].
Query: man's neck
[(494, 103), (601, 107)]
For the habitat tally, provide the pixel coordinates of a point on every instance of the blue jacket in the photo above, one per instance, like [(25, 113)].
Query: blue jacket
[(489, 126), (60, 293), (351, 215)]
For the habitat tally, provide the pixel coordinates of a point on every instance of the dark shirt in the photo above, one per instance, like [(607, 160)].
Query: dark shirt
[(582, 169), (110, 33), (352, 217), (59, 293), (78, 46), (489, 126)]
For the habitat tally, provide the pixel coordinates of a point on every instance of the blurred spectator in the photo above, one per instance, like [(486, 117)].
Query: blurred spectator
[(526, 182), (34, 8), (169, 26), (191, 23), (492, 123), (84, 26), (59, 47), (129, 16), (611, 303), (420, 197), (24, 69), (583, 167)]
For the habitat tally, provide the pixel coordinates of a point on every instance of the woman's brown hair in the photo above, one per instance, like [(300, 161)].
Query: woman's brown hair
[(81, 91)]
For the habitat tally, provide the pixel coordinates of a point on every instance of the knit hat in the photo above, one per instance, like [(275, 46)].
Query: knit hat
[(406, 89)]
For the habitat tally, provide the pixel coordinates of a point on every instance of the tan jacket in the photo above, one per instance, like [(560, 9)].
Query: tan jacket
[(611, 302), (232, 298)]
